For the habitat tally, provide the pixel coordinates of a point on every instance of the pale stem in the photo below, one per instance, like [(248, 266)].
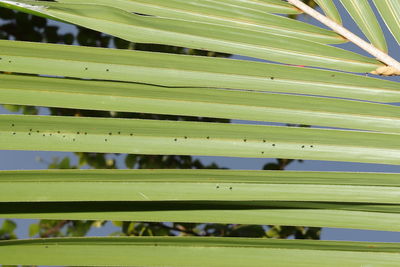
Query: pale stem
[(380, 55)]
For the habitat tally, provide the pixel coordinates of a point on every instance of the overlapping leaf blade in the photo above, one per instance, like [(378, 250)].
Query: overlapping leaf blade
[(347, 200), (336, 215), (390, 12), (188, 71), (364, 16), (204, 102), (223, 13), (233, 40)]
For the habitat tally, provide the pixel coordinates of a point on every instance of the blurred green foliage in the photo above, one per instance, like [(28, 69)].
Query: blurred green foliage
[(24, 27), (7, 230)]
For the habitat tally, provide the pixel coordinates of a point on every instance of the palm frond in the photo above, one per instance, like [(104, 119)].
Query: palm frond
[(134, 81)]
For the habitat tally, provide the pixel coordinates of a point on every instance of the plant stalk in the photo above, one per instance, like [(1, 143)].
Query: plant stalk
[(380, 55)]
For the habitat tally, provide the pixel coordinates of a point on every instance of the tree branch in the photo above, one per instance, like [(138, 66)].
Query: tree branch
[(179, 228), (54, 229), (393, 65)]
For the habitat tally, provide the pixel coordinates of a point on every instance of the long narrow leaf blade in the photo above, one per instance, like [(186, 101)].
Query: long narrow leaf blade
[(148, 29), (219, 12), (364, 16), (329, 8), (178, 251), (158, 185), (47, 133), (203, 102), (188, 71), (390, 12), (268, 6), (230, 212)]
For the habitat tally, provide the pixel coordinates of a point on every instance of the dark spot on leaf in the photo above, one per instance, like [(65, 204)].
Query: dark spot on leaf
[(272, 78), (208, 137), (131, 134), (141, 14), (109, 133), (230, 188), (244, 140), (303, 146), (119, 132), (12, 125), (273, 145), (175, 139)]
